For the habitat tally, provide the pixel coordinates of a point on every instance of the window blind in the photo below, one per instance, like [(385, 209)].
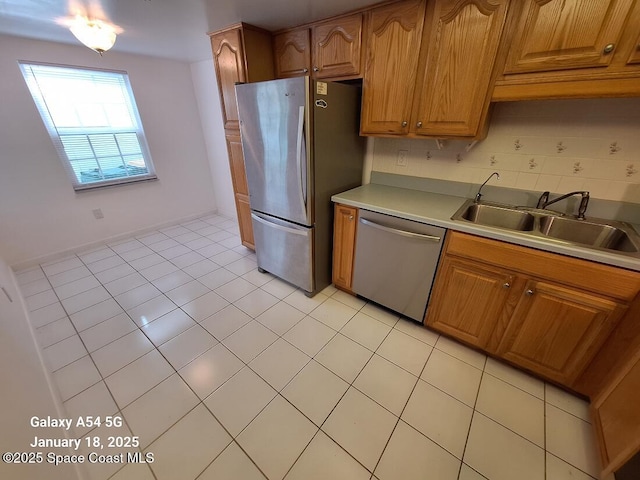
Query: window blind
[(93, 121)]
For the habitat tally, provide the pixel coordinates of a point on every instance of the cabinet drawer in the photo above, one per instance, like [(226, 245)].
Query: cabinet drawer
[(602, 279)]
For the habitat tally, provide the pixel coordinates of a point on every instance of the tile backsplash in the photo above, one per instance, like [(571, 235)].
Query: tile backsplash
[(555, 145)]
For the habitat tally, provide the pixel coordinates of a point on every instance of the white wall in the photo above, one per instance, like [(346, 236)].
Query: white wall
[(26, 387), (40, 214), (555, 145), (206, 87)]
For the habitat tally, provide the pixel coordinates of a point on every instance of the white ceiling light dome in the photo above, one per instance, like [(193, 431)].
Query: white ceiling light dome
[(95, 34)]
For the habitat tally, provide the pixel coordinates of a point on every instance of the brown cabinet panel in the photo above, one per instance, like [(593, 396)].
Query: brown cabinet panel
[(393, 32), (462, 37), (241, 53), (635, 53), (244, 221), (566, 34), (336, 47), (292, 52), (228, 57), (616, 417), (468, 300), (236, 163), (556, 331), (544, 312), (344, 239)]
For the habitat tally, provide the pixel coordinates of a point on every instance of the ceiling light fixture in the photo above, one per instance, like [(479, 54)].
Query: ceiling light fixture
[(95, 34)]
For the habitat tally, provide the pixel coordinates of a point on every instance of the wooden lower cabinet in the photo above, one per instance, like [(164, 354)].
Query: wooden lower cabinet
[(540, 311), (240, 188), (555, 331), (468, 299), (244, 221), (616, 417), (344, 239)]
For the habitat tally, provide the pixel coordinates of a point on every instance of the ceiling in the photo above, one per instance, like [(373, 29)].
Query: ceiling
[(173, 29)]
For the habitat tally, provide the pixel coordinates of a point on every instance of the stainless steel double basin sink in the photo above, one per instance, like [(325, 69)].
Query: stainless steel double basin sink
[(593, 233)]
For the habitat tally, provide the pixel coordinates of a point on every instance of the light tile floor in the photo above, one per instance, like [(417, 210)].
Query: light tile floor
[(227, 373)]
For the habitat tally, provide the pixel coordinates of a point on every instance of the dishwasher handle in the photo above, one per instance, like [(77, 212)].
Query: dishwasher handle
[(404, 233)]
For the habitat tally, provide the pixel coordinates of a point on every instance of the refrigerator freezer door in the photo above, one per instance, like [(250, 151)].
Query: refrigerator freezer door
[(274, 126), (286, 250)]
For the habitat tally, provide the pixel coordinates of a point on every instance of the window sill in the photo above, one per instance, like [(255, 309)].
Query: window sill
[(116, 182)]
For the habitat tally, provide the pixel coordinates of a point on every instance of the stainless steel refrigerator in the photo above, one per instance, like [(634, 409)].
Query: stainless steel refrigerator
[(301, 145)]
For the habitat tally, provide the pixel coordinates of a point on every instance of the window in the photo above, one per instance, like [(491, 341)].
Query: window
[(92, 118)]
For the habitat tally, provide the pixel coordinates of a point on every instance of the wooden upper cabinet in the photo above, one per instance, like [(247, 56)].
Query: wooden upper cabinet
[(241, 53), (336, 46), (390, 67), (228, 56), (566, 34), (292, 52), (460, 44), (555, 330)]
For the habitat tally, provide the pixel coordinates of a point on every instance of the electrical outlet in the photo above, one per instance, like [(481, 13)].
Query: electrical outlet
[(403, 161), (97, 214)]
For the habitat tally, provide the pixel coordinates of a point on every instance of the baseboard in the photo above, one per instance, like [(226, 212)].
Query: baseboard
[(87, 247)]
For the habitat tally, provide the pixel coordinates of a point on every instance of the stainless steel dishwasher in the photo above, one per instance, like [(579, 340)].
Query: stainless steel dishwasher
[(395, 262)]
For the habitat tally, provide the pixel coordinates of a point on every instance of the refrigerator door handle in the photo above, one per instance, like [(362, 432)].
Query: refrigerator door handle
[(300, 148), (259, 218)]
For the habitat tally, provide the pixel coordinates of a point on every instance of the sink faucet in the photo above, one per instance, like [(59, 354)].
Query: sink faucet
[(479, 195), (544, 202)]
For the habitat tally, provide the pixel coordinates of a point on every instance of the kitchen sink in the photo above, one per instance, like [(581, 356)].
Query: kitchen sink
[(591, 232), (588, 233), (498, 216)]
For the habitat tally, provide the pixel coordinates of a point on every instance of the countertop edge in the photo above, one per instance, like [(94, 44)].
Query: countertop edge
[(437, 209)]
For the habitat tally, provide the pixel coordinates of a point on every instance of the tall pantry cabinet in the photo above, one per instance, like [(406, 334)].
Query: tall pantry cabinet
[(241, 53)]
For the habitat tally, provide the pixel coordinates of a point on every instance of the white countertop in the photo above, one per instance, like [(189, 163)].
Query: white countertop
[(437, 209)]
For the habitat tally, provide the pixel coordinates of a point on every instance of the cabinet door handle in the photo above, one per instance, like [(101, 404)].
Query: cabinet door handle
[(350, 218), (404, 124), (506, 285), (529, 292), (316, 69), (419, 124), (305, 70), (609, 48)]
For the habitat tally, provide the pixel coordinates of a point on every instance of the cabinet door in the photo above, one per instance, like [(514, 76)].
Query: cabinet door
[(228, 58), (391, 64), (241, 190), (244, 221), (344, 242), (468, 300), (336, 47), (566, 34), (236, 164), (634, 58), (292, 53), (462, 38), (555, 331), (617, 417)]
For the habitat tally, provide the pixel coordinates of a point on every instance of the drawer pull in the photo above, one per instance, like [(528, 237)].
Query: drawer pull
[(506, 285), (609, 48), (404, 233), (529, 292)]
